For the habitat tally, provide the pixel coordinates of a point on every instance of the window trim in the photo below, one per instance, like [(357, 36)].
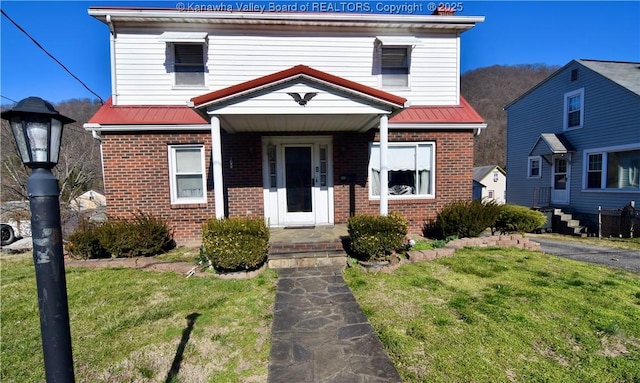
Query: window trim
[(409, 51), (605, 163), (432, 176), (173, 184), (530, 160), (172, 62), (565, 115)]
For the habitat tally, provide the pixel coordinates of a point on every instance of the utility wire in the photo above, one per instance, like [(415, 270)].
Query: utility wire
[(12, 100), (50, 55)]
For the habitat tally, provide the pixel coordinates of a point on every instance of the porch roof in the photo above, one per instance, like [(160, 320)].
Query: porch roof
[(109, 114), (551, 143)]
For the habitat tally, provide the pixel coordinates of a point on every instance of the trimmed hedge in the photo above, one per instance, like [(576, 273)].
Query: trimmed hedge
[(235, 244), (520, 219), (143, 235), (466, 218), (375, 238)]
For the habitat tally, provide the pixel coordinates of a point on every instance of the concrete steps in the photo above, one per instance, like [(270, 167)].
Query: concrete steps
[(306, 254), (564, 223)]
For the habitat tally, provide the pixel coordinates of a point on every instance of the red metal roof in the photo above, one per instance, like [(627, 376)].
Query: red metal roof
[(146, 115), (445, 114), (297, 71)]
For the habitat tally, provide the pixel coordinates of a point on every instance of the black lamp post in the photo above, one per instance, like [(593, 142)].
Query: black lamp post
[(37, 129)]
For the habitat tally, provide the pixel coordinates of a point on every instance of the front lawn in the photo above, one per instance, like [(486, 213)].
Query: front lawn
[(505, 315), (139, 326)]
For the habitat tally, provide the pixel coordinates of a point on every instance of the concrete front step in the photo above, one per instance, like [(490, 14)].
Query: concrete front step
[(307, 259)]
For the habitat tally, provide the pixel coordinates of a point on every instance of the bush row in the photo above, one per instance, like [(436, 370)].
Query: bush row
[(142, 235)]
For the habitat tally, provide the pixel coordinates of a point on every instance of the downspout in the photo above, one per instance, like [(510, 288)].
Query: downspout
[(112, 54), (96, 135)]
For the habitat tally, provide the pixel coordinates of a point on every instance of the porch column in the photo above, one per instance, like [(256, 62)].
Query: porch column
[(384, 167), (216, 159)]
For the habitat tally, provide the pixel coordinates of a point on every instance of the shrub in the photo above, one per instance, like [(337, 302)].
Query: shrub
[(235, 244), (375, 238), (466, 218), (521, 219), (144, 235)]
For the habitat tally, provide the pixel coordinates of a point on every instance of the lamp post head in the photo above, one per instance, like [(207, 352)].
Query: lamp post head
[(37, 129)]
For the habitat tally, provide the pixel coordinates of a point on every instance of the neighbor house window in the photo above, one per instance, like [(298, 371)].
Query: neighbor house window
[(535, 170), (613, 169), (187, 174), (411, 169), (574, 109), (188, 64), (395, 66)]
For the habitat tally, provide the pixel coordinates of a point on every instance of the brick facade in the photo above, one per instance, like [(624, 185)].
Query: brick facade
[(136, 176)]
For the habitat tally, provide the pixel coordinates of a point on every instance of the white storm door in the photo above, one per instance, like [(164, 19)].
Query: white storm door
[(560, 175), (299, 180)]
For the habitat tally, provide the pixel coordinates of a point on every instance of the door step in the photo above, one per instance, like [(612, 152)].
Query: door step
[(307, 259)]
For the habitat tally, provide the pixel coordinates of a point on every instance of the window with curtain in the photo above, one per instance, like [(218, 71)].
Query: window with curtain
[(187, 175), (612, 169), (411, 169)]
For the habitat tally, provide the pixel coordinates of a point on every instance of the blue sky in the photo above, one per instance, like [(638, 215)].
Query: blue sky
[(514, 32)]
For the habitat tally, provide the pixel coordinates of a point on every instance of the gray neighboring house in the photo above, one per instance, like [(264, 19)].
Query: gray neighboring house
[(573, 144)]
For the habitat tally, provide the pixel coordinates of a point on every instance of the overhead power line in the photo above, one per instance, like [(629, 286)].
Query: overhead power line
[(50, 55), (12, 100)]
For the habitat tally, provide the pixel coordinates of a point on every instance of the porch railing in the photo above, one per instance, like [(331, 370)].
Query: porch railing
[(541, 197)]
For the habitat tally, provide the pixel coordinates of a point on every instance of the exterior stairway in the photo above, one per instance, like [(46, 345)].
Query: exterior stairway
[(564, 223), (307, 247)]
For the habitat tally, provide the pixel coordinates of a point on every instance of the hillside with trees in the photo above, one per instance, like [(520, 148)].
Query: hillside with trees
[(489, 90)]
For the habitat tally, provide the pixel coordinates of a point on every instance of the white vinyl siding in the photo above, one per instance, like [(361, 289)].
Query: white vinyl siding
[(187, 174), (411, 170), (232, 58), (612, 169)]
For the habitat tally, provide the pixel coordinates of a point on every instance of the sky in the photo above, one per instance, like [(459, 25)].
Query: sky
[(514, 32)]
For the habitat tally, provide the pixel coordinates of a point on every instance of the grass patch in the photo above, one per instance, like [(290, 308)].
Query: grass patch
[(505, 315), (127, 325)]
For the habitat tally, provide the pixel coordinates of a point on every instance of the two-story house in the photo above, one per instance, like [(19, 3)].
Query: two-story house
[(573, 141), (303, 119)]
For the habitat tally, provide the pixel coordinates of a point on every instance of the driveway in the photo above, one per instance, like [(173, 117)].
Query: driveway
[(619, 258)]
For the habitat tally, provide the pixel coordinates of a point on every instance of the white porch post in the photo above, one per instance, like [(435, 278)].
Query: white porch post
[(384, 167), (216, 159)]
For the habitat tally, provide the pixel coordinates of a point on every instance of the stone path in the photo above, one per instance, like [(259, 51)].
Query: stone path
[(320, 333)]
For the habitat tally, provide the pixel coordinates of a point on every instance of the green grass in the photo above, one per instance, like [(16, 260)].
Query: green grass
[(505, 315), (127, 325)]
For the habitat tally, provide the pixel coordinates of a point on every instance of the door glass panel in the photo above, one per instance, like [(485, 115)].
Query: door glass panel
[(560, 177), (298, 179)]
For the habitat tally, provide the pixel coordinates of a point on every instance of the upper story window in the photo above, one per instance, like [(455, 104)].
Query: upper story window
[(187, 174), (394, 60), (411, 170), (188, 64), (574, 109), (613, 168), (395, 66), (186, 58)]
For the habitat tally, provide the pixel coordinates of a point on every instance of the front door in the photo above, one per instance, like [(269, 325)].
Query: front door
[(297, 174), (560, 174), (298, 181)]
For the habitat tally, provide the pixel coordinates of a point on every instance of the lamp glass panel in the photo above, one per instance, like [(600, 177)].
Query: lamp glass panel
[(16, 127), (56, 137), (38, 135)]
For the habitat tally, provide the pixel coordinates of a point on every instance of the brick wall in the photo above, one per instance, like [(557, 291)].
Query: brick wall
[(137, 177)]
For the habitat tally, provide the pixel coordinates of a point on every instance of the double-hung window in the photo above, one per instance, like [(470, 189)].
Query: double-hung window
[(616, 168), (534, 168), (188, 64), (411, 170), (395, 66), (574, 109), (187, 174)]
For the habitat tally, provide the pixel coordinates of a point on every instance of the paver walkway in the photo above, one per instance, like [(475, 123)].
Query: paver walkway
[(320, 333)]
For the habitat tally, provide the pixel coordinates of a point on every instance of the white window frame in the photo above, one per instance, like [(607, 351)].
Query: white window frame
[(529, 167), (432, 175), (172, 61), (408, 49), (173, 183), (605, 151), (565, 116)]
